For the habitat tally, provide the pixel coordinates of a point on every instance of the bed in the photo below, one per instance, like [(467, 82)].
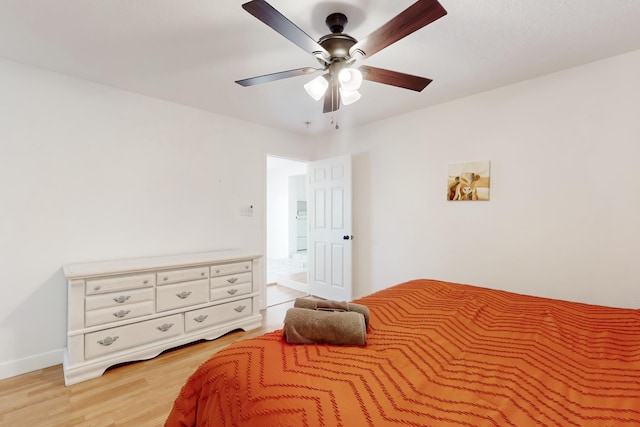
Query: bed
[(437, 354)]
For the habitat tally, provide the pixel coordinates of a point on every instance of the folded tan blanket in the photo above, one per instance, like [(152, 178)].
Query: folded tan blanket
[(303, 326), (330, 305), (333, 305)]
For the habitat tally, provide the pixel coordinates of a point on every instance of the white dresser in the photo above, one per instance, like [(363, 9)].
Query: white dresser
[(133, 309)]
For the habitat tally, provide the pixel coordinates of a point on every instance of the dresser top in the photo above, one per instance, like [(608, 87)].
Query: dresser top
[(90, 269)]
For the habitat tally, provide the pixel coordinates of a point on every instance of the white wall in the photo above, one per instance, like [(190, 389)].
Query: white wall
[(563, 219), (88, 172)]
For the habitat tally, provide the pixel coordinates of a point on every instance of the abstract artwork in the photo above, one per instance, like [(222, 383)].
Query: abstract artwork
[(469, 181)]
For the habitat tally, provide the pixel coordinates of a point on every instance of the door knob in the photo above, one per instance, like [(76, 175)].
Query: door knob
[(347, 237)]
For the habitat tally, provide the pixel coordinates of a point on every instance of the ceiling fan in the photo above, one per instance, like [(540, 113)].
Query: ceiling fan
[(337, 52)]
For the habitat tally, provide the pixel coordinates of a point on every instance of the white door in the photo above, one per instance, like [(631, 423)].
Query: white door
[(329, 220)]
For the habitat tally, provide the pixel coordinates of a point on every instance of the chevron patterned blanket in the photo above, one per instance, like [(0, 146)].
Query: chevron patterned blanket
[(437, 354)]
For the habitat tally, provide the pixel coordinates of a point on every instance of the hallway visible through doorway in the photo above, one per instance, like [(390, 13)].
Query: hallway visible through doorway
[(286, 228), (286, 270)]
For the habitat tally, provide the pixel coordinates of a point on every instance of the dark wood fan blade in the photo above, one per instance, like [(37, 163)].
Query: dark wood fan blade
[(416, 16), (394, 78), (270, 16), (276, 76), (332, 97)]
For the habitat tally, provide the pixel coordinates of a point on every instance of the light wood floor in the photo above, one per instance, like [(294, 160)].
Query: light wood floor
[(138, 394), (277, 294)]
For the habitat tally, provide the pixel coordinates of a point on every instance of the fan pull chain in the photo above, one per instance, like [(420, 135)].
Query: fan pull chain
[(334, 122)]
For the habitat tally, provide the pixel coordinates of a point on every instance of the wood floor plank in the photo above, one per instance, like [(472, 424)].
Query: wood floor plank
[(136, 394)]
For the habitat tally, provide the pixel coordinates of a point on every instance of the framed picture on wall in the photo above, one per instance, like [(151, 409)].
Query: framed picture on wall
[(468, 181)]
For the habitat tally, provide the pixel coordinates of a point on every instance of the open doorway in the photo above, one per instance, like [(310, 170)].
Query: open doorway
[(286, 230)]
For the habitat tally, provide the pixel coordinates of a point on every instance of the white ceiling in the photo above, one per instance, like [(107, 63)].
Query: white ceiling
[(191, 51)]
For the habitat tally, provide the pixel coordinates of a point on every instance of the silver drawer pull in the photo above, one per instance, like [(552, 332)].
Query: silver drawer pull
[(107, 341), (232, 280), (202, 274), (96, 288), (120, 314), (165, 327), (183, 294), (232, 291), (145, 282), (165, 278), (201, 318), (122, 298), (246, 267), (240, 308), (217, 271)]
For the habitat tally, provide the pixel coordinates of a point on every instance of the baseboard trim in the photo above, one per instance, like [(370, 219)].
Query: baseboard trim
[(17, 367)]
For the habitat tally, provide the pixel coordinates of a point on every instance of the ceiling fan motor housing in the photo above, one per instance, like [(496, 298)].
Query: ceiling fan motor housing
[(336, 22), (337, 43)]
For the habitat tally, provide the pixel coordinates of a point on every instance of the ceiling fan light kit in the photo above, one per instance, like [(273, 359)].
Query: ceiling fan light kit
[(337, 52), (348, 97), (317, 87), (350, 78)]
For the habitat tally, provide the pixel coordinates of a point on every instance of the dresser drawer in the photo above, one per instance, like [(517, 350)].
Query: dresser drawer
[(94, 302), (234, 268), (120, 283), (234, 279), (182, 275), (230, 291), (217, 314), (113, 314), (182, 295), (115, 339)]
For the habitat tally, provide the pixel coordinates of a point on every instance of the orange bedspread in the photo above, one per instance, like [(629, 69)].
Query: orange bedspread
[(437, 354)]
